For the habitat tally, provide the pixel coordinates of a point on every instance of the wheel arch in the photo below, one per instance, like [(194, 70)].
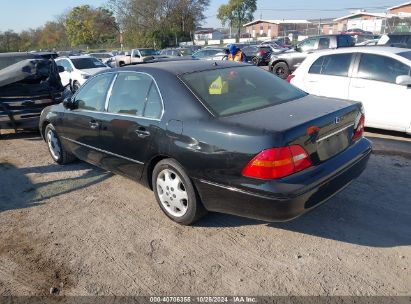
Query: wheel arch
[(278, 61)]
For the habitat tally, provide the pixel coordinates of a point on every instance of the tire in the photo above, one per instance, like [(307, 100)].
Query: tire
[(255, 61), (57, 151), (75, 86), (281, 69), (175, 193)]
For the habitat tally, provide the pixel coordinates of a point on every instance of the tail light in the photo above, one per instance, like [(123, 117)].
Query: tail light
[(277, 163), (359, 127), (290, 77)]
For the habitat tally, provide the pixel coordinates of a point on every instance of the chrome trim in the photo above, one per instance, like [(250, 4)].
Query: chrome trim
[(110, 89), (334, 133), (103, 151)]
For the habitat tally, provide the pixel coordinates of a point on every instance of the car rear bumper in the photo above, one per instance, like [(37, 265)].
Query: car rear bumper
[(286, 199)]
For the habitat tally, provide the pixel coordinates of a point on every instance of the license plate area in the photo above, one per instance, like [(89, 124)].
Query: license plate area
[(332, 144)]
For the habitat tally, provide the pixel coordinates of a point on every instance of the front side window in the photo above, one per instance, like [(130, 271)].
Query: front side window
[(148, 52), (324, 43), (92, 96), (65, 64), (334, 65), (307, 45), (135, 94), (381, 68), (230, 91)]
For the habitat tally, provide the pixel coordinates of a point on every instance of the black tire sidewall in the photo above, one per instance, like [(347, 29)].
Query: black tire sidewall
[(47, 129), (284, 66), (193, 202)]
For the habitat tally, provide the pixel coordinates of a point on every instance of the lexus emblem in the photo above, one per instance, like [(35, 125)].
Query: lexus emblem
[(337, 120)]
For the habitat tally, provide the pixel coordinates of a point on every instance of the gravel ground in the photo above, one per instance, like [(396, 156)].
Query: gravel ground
[(84, 231)]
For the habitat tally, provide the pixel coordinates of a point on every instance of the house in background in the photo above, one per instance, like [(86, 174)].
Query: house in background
[(207, 34), (275, 28), (371, 22), (404, 8)]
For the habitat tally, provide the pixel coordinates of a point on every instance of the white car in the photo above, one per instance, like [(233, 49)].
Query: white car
[(77, 69), (379, 77)]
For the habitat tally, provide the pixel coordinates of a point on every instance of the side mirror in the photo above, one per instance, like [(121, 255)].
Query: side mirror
[(69, 103), (61, 69), (403, 80)]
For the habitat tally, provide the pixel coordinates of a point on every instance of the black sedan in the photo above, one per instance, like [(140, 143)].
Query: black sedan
[(207, 136)]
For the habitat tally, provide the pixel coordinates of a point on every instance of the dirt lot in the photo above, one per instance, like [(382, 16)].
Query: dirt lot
[(85, 231)]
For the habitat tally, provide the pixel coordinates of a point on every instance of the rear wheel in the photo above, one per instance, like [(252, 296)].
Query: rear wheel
[(281, 69), (57, 151), (175, 193)]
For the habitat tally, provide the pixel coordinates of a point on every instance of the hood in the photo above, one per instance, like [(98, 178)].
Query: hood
[(30, 77)]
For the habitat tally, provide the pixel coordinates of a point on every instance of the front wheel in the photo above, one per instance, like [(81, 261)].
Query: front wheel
[(281, 69), (57, 151), (175, 193)]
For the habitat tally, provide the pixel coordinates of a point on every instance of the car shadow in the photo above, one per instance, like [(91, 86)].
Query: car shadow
[(28, 135), (18, 191)]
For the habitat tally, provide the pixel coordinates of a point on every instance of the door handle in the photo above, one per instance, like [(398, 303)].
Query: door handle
[(358, 86), (142, 133), (313, 81), (94, 124)]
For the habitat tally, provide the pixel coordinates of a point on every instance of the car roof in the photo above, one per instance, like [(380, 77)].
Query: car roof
[(75, 57), (182, 67), (364, 49)]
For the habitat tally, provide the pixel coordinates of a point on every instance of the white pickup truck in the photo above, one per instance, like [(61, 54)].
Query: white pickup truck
[(135, 56)]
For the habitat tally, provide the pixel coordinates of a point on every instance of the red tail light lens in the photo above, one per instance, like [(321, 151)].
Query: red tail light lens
[(277, 163), (290, 77), (261, 53), (359, 128)]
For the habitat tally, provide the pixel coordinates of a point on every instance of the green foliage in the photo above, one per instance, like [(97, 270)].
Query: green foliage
[(88, 26), (158, 23), (237, 13)]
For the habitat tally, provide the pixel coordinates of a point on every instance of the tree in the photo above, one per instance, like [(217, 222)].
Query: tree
[(53, 35), (89, 26), (237, 13), (158, 22)]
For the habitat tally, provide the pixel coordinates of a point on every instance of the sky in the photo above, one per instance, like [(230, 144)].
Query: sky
[(19, 15)]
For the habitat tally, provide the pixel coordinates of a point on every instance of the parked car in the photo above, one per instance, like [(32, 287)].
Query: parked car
[(357, 31), (176, 52), (263, 54), (77, 69), (379, 77), (285, 63), (29, 82), (135, 56), (210, 54), (402, 40), (104, 57), (246, 143), (368, 42)]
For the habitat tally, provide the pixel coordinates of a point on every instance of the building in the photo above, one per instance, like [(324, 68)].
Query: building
[(275, 28), (208, 34), (400, 9), (372, 22)]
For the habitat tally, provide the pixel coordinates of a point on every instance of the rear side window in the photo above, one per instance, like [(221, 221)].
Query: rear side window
[(381, 68), (324, 43), (345, 41), (135, 94), (240, 89), (405, 55), (334, 65)]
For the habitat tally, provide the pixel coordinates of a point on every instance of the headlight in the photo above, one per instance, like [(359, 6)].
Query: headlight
[(85, 76)]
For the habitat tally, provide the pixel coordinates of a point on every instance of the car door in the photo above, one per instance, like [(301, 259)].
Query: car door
[(306, 47), (329, 76), (130, 123), (66, 75), (81, 126), (387, 105)]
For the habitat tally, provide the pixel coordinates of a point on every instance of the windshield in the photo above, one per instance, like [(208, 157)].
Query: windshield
[(406, 55), (240, 89), (87, 63), (148, 52)]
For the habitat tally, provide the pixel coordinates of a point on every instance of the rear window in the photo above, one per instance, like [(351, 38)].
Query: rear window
[(405, 55), (240, 89), (87, 63), (6, 61)]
